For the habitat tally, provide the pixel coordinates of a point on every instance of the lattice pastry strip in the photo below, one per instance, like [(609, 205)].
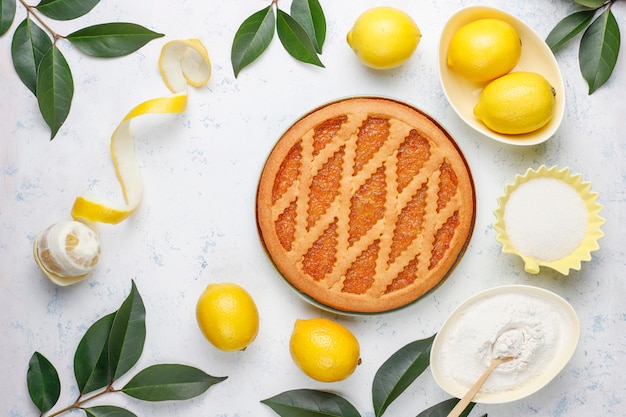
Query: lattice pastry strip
[(340, 208)]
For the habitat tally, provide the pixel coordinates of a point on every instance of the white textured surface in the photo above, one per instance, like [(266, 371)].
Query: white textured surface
[(196, 223)]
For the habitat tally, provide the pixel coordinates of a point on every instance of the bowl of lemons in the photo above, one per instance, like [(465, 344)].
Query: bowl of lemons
[(500, 77)]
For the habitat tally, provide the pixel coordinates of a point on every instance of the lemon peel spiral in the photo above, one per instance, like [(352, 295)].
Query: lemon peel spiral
[(181, 63)]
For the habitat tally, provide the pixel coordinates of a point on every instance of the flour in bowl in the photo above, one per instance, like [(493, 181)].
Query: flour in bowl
[(531, 329)]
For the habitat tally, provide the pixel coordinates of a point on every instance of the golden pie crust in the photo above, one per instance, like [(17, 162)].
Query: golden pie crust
[(365, 205)]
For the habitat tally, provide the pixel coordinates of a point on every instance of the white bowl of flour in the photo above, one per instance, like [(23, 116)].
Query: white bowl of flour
[(538, 327)]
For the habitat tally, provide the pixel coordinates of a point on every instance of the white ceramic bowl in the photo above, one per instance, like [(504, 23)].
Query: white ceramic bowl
[(536, 57), (455, 354)]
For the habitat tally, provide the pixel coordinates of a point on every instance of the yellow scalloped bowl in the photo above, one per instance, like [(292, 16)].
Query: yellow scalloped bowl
[(536, 57), (588, 244)]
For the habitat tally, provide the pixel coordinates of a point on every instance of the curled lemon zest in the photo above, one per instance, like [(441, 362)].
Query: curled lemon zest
[(181, 63)]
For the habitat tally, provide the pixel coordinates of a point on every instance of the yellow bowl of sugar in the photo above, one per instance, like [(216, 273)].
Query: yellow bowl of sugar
[(550, 218)]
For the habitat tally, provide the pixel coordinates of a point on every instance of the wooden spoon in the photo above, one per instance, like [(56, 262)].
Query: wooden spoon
[(460, 406)]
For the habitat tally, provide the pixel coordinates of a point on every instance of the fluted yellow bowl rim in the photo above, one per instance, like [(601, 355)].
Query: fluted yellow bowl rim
[(589, 243)]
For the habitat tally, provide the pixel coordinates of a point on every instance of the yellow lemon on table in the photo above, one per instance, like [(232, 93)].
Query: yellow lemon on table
[(324, 350), (516, 103), (227, 316), (484, 49), (384, 37)]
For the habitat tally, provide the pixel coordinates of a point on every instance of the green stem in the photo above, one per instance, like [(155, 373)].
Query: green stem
[(608, 4), (32, 11), (79, 403)]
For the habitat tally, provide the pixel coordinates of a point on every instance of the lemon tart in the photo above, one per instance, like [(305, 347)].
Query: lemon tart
[(365, 204)]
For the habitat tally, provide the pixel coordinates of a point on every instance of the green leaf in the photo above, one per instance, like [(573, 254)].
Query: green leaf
[(108, 411), (398, 372), (443, 409), (66, 9), (109, 40), (311, 17), (29, 45), (295, 39), (569, 27), (310, 403), (128, 334), (7, 14), (252, 38), (593, 4), (55, 89), (169, 382), (599, 48), (43, 382), (91, 360)]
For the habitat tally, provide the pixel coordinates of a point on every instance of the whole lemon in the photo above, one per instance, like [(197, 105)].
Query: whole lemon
[(384, 37), (324, 350), (227, 316), (516, 103), (484, 49)]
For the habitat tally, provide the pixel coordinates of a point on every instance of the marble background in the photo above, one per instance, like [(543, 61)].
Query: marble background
[(196, 224)]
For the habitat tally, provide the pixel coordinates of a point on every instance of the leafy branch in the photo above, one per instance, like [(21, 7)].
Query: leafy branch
[(394, 376), (301, 32), (38, 61), (107, 351), (599, 44)]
